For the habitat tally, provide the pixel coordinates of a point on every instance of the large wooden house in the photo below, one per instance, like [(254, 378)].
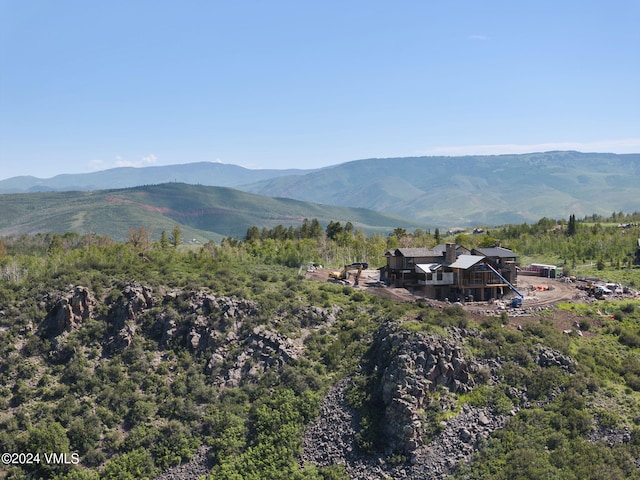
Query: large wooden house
[(452, 272)]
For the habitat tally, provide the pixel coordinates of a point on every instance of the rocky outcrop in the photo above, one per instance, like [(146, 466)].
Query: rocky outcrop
[(330, 440), (200, 320), (218, 327), (413, 376), (411, 367), (244, 358), (124, 312), (68, 312), (548, 357), (198, 466)]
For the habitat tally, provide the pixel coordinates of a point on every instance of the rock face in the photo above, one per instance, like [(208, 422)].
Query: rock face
[(259, 351), (413, 373), (200, 320), (224, 329), (198, 467), (69, 311), (548, 357), (411, 368), (331, 440), (123, 314), (203, 322)]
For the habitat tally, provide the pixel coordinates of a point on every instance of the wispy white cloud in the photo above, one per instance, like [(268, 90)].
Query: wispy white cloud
[(149, 159), (478, 37), (143, 162), (626, 145)]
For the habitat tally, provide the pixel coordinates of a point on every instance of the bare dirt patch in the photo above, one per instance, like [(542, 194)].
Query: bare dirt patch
[(369, 281), (541, 295)]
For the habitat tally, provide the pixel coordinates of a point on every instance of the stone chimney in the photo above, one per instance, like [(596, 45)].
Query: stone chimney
[(450, 254)]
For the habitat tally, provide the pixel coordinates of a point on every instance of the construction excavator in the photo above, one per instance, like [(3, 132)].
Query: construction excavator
[(341, 275)]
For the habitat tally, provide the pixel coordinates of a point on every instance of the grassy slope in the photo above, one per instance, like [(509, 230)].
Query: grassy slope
[(470, 190), (203, 212)]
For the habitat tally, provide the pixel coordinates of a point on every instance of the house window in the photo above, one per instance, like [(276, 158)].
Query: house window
[(429, 276), (439, 274)]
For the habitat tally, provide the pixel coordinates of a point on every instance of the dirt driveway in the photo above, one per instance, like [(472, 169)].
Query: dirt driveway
[(538, 291), (541, 292)]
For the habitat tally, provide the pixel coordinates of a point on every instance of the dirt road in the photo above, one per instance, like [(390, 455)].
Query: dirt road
[(541, 292)]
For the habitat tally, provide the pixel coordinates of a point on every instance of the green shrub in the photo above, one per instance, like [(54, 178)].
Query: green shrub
[(358, 297), (584, 325), (628, 308), (629, 339)]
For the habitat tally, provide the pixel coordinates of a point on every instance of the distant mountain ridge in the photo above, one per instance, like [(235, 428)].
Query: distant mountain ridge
[(202, 173), (203, 212), (431, 191), (489, 190)]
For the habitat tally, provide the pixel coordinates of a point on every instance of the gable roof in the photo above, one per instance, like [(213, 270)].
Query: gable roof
[(442, 248), (416, 252), (466, 261), (428, 267), (498, 252)]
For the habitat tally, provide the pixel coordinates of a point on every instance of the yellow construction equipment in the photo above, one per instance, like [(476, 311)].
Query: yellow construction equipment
[(344, 273)]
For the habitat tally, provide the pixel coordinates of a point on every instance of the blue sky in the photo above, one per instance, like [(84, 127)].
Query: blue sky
[(86, 86)]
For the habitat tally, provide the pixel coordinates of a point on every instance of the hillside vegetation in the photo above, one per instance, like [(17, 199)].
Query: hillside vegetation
[(493, 189), (431, 191), (136, 356), (204, 213)]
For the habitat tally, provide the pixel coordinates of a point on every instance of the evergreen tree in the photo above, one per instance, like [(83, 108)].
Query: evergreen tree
[(315, 229), (400, 232), (164, 241), (305, 229), (334, 229), (176, 236), (571, 228), (253, 234)]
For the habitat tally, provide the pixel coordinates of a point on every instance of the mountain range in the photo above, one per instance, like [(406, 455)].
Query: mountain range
[(203, 212), (204, 173), (486, 190), (416, 191)]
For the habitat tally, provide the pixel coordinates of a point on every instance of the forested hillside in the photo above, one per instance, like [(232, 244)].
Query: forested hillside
[(492, 189), (431, 191), (137, 356), (204, 213)]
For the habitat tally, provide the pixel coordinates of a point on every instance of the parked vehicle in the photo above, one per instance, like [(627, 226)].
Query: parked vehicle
[(364, 265), (602, 290)]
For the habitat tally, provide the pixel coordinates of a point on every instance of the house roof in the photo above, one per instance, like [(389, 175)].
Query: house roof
[(498, 252), (466, 261), (416, 252), (442, 248), (428, 267)]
